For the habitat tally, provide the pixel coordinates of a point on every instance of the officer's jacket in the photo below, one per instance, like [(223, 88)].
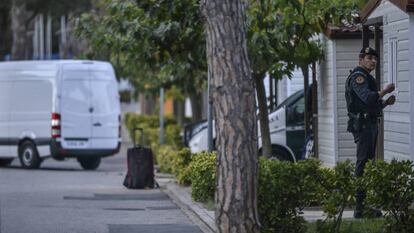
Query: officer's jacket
[(361, 93)]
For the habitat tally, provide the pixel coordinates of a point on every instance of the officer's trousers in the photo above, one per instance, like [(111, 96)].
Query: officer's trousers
[(366, 142)]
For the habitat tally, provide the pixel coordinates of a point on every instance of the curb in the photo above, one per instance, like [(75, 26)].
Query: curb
[(205, 219), (181, 196)]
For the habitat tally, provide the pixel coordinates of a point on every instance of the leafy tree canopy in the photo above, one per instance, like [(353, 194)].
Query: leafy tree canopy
[(154, 42), (284, 33)]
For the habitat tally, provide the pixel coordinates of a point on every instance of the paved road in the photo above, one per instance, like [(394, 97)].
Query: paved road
[(60, 197)]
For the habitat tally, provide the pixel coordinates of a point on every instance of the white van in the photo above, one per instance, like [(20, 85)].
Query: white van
[(61, 109), (286, 126)]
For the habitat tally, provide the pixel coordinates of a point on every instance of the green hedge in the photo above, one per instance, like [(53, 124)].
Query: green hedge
[(284, 188), (390, 186), (202, 173), (125, 96), (164, 156), (336, 192), (150, 125), (180, 166)]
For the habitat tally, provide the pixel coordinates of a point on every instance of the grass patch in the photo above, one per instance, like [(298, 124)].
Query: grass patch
[(356, 226), (209, 205)]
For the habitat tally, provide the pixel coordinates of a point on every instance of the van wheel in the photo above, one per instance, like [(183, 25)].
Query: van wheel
[(281, 154), (89, 163), (5, 162), (28, 155)]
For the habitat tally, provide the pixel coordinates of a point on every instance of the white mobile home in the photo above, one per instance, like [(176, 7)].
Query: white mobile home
[(60, 109), (341, 46), (393, 26), (397, 20)]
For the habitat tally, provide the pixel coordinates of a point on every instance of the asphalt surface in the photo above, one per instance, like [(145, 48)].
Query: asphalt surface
[(60, 197)]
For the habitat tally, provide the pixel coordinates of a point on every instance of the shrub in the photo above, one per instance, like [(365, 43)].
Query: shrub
[(284, 188), (164, 156), (390, 186), (150, 124), (180, 162), (125, 96), (337, 192), (172, 135), (202, 172)]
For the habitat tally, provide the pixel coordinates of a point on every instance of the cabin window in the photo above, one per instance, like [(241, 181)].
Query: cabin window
[(392, 61)]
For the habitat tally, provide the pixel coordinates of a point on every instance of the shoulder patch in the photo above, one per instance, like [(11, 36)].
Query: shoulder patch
[(360, 79)]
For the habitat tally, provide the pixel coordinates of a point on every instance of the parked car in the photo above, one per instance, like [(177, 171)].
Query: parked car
[(286, 125), (60, 109)]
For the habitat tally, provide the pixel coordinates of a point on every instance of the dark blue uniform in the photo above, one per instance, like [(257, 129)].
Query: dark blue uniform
[(364, 109)]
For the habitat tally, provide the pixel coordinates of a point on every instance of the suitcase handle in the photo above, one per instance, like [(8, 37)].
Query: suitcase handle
[(141, 139)]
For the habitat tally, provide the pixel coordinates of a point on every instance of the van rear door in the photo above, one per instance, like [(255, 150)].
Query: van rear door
[(5, 88), (106, 109), (76, 119)]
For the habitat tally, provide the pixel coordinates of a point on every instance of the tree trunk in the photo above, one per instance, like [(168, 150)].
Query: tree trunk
[(19, 26), (179, 111), (147, 103), (263, 116), (74, 46), (271, 94), (235, 114), (196, 100), (305, 72), (315, 111), (5, 38)]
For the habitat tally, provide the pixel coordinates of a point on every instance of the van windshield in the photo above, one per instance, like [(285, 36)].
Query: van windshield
[(104, 92), (289, 100), (75, 95)]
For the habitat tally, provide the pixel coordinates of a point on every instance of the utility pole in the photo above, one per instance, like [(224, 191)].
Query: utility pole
[(209, 116), (161, 116)]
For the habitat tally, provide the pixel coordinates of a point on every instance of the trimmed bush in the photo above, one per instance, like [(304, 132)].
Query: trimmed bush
[(390, 186), (151, 124), (164, 156), (338, 187), (125, 96), (180, 166), (284, 189), (202, 172)]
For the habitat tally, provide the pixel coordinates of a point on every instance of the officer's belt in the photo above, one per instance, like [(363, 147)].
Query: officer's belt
[(364, 116)]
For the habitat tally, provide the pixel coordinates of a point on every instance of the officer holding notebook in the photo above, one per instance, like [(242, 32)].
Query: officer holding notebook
[(365, 104)]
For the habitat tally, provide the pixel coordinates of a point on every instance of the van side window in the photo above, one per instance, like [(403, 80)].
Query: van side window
[(296, 112), (33, 96), (5, 87)]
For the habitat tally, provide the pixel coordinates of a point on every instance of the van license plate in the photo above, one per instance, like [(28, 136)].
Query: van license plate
[(76, 143)]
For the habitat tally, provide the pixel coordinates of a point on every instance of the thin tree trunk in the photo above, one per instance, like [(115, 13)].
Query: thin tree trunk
[(235, 114), (75, 46), (19, 26), (315, 111), (179, 111), (6, 38), (147, 103), (196, 100), (305, 72), (271, 94), (263, 116)]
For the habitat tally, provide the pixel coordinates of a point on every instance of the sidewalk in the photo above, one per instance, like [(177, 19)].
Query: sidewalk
[(182, 197)]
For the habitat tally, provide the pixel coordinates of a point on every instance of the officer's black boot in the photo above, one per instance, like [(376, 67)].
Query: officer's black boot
[(359, 207)]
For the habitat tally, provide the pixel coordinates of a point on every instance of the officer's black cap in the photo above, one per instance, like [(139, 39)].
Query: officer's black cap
[(368, 51)]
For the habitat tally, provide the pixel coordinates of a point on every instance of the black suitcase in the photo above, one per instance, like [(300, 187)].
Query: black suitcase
[(140, 165)]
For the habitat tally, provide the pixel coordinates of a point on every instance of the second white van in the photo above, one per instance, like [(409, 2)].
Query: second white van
[(286, 126), (60, 109)]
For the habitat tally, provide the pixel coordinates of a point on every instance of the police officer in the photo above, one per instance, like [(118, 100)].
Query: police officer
[(365, 104)]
